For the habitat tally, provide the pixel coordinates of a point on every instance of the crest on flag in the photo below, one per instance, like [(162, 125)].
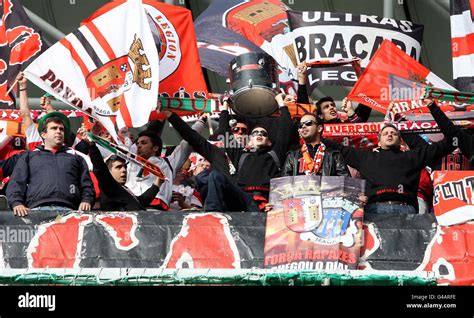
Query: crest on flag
[(303, 214), (175, 41), (114, 78), (107, 65)]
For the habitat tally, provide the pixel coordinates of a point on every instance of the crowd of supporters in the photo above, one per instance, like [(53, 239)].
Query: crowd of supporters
[(55, 168)]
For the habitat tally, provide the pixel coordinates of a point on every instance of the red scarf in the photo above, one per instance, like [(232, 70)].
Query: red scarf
[(312, 166)]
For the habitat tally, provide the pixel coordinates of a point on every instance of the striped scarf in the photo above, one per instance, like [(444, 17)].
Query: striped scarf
[(312, 166)]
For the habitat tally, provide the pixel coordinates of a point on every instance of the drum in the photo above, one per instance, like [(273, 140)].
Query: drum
[(254, 82)]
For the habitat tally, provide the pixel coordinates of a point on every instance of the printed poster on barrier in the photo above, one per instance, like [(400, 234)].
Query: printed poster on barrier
[(453, 197), (316, 223)]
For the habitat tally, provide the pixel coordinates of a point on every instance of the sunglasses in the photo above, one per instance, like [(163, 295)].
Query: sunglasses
[(262, 133), (241, 130), (307, 123)]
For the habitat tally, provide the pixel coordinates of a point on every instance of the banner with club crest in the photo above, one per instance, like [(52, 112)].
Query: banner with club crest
[(316, 223)]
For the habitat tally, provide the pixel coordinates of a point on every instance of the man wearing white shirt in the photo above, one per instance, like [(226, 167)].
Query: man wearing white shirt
[(149, 146)]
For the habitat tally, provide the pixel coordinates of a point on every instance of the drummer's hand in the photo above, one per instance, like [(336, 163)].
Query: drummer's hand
[(302, 68), (280, 99), (204, 117), (225, 101), (224, 106)]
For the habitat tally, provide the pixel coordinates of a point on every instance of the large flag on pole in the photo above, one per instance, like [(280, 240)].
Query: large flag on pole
[(107, 67), (393, 76), (462, 41), (20, 44), (173, 30)]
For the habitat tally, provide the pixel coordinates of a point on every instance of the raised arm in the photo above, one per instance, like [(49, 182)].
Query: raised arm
[(360, 115), (282, 143), (463, 140), (199, 143), (302, 96), (224, 118), (429, 154), (24, 108), (181, 153)]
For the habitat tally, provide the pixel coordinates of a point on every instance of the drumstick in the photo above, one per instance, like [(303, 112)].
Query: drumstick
[(211, 131)]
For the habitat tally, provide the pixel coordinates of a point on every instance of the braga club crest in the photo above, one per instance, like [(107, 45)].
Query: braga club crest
[(114, 78)]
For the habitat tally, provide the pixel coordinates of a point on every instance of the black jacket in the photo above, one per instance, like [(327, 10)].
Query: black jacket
[(113, 196), (392, 175), (41, 177), (8, 165), (333, 164), (258, 167)]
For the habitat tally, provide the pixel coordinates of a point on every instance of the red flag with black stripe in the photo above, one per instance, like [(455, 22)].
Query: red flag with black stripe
[(20, 44)]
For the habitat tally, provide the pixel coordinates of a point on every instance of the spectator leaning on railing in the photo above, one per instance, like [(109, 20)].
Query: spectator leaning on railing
[(50, 176)]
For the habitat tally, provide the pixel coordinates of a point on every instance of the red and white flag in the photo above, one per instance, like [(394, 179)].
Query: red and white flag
[(107, 67), (172, 27), (393, 76), (462, 41)]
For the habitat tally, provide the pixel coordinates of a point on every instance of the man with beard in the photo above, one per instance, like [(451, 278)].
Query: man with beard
[(314, 158)]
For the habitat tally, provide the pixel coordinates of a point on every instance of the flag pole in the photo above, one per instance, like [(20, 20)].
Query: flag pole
[(11, 87)]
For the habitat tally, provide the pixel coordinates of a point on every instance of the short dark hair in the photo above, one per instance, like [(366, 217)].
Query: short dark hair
[(391, 126), (260, 126), (55, 120), (241, 120), (155, 140), (319, 121), (112, 159), (321, 101), (264, 127)]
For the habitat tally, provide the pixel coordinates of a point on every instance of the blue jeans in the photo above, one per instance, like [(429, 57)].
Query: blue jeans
[(385, 208), (224, 196)]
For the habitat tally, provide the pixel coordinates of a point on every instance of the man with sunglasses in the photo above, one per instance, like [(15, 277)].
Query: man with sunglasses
[(237, 127), (314, 158), (240, 175)]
